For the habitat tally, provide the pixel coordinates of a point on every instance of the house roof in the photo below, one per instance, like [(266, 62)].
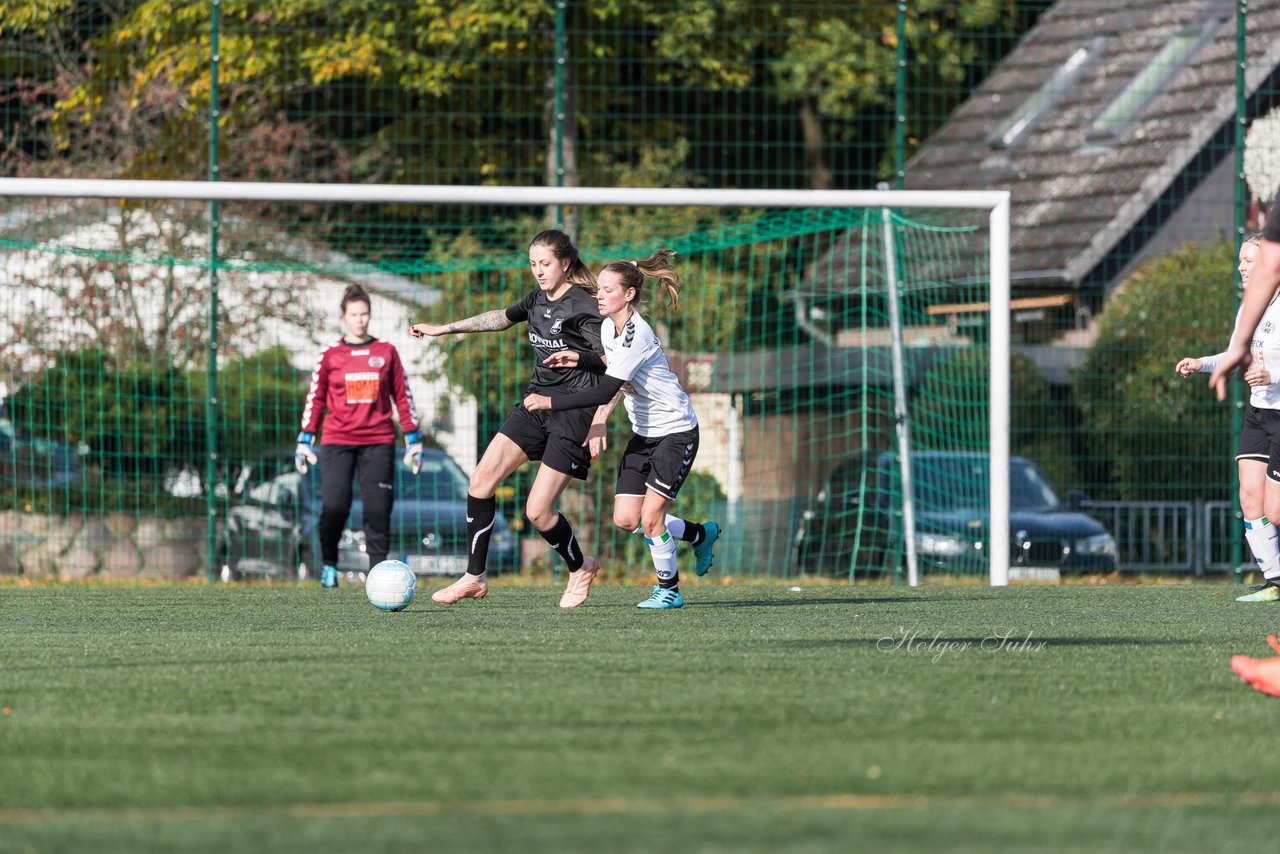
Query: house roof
[(1077, 200)]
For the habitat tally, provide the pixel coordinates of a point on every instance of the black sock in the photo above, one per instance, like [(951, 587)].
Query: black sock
[(480, 516), (672, 583), (566, 545), (693, 533)]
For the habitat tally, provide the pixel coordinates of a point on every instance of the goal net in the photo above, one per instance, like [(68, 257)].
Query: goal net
[(847, 354)]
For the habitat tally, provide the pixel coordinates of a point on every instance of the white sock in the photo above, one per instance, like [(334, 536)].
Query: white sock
[(1261, 536), (662, 549)]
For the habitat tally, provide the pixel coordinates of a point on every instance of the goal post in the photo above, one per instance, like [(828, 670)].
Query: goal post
[(994, 204)]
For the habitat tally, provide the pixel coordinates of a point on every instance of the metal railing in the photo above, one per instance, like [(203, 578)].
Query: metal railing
[(1171, 536)]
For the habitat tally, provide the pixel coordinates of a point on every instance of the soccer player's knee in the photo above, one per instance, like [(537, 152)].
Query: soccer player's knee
[(626, 521), (543, 516), (654, 523)]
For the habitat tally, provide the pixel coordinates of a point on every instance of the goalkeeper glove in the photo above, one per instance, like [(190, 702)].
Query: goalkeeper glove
[(305, 452), (413, 451)]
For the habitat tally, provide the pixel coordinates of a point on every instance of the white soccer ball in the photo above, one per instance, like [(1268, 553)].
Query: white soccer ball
[(390, 585)]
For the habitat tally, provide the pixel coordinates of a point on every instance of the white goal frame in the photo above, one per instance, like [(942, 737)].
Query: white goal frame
[(995, 202)]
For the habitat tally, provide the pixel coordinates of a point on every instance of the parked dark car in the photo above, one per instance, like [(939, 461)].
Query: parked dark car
[(855, 520), (272, 525), (42, 463)]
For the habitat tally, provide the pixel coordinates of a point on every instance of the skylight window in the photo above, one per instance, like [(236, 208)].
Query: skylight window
[(1132, 101), (1014, 128)]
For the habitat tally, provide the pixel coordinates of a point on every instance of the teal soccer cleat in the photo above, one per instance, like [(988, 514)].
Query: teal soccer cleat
[(329, 576), (663, 599), (1270, 593), (703, 549)]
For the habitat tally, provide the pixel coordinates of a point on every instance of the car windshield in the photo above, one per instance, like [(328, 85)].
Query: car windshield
[(440, 479), (946, 483)]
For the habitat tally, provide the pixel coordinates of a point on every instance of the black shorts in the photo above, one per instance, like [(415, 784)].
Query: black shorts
[(660, 463), (1260, 439), (555, 437)]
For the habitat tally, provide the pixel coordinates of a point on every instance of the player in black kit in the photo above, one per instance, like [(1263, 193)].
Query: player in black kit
[(561, 314)]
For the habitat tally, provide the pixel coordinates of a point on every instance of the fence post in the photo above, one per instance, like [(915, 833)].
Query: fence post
[(211, 399), (900, 101), (1241, 199), (559, 117)]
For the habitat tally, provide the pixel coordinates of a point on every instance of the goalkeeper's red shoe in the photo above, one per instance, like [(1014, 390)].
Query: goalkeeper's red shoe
[(1261, 673)]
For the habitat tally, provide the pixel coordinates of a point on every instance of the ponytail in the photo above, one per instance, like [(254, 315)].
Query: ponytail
[(656, 266)]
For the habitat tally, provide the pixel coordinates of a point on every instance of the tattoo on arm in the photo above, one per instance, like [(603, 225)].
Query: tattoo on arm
[(490, 321)]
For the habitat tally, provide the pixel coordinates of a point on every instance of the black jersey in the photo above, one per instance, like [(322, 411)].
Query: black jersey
[(570, 323)]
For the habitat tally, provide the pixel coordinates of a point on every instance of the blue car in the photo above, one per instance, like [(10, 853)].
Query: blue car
[(272, 526)]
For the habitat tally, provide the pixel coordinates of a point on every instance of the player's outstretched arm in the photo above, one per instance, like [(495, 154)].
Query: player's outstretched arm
[(1188, 366), (489, 321)]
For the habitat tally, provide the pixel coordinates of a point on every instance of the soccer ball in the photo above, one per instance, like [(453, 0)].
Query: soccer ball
[(390, 585)]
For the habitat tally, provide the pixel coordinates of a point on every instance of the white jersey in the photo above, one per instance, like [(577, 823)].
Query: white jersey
[(1264, 347), (655, 401)]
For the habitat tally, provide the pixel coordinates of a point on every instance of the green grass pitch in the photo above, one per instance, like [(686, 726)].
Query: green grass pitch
[(948, 718)]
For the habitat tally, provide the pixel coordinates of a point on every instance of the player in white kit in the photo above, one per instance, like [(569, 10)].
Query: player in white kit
[(664, 427), (1258, 454)]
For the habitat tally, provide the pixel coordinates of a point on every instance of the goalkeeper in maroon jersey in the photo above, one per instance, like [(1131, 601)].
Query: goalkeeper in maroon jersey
[(354, 384)]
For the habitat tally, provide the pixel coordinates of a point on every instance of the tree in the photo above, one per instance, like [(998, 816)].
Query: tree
[(147, 420), (259, 398), (950, 411), (431, 76), (137, 420), (1152, 432), (131, 283)]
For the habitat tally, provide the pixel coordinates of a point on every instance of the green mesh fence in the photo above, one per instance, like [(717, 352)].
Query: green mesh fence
[(1135, 140), (733, 93)]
